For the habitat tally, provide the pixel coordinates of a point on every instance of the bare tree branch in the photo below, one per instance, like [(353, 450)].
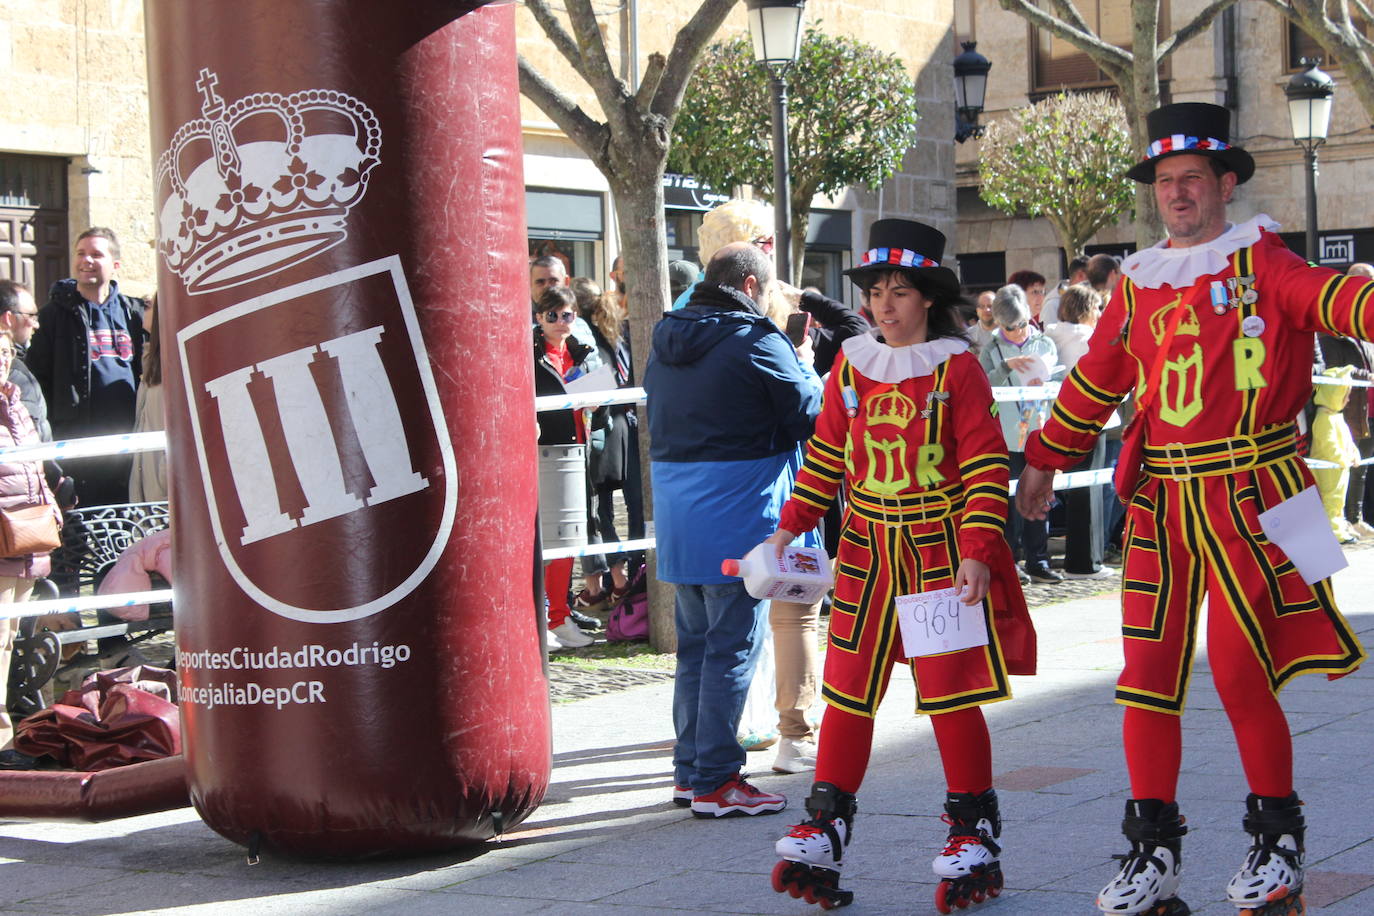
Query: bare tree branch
[(1066, 10), (1339, 38), (1105, 55), (558, 35), (581, 128), (1202, 21), (648, 83), (687, 47), (596, 69)]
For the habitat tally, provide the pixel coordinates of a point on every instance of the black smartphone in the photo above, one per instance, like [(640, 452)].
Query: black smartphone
[(798, 324)]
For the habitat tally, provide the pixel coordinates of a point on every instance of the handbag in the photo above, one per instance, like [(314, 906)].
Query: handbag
[(28, 530), (1130, 463)]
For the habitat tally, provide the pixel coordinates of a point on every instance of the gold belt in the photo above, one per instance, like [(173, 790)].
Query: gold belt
[(1222, 456)]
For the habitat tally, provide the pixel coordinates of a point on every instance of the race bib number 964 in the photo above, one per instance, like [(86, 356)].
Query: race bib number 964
[(936, 622)]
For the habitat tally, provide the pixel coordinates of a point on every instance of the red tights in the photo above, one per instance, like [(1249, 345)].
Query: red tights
[(557, 581), (1154, 740), (846, 741)]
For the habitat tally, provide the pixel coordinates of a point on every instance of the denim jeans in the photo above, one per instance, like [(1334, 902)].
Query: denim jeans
[(719, 632)]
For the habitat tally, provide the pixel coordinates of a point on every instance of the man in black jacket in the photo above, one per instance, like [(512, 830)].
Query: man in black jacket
[(87, 354)]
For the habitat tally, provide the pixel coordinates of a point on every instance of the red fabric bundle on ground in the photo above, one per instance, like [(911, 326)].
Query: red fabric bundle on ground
[(116, 718)]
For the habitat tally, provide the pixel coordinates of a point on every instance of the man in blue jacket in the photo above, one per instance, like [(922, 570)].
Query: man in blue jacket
[(728, 401)]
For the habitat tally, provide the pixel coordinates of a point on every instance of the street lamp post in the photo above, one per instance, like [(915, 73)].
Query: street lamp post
[(1309, 111), (970, 89), (775, 26)]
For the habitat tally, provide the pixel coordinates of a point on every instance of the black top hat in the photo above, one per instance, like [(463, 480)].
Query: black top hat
[(1191, 127), (904, 244)]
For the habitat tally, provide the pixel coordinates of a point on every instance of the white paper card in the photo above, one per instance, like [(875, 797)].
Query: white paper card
[(935, 622), (599, 379), (1299, 527), (1042, 371)]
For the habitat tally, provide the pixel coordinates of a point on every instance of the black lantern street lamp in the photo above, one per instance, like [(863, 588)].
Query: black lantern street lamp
[(1309, 110), (775, 26), (970, 89)]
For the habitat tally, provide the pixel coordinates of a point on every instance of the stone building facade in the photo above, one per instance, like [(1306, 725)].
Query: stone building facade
[(1242, 62), (74, 138), (74, 135)]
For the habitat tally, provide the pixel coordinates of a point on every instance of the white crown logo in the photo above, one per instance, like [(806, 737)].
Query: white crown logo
[(257, 186)]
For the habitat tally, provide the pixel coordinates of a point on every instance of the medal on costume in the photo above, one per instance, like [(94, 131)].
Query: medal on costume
[(851, 401), (1219, 297)]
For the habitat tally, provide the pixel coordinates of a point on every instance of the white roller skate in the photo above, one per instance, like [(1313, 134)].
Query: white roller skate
[(1269, 882), (968, 867), (1148, 880), (812, 852)]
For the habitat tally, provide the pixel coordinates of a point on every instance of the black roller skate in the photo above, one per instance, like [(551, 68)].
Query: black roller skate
[(1269, 882), (1147, 884), (813, 851), (968, 868)]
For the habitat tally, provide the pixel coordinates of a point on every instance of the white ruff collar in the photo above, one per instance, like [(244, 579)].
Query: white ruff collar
[(1161, 265), (886, 364)]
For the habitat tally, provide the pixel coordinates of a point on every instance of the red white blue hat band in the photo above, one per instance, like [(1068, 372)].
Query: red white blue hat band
[(897, 257), (1179, 142)]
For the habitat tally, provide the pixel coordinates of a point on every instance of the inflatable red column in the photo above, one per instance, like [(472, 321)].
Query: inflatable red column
[(346, 328)]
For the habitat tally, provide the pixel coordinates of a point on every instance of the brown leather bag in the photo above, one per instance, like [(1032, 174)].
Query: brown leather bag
[(31, 529)]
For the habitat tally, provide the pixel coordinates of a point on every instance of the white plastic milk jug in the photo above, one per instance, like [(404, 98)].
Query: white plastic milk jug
[(801, 574)]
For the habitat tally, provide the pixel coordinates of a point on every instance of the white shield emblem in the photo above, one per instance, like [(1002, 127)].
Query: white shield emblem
[(326, 461)]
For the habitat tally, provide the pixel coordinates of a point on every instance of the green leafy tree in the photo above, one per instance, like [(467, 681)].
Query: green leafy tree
[(1061, 158), (852, 115), (629, 146), (1134, 67)]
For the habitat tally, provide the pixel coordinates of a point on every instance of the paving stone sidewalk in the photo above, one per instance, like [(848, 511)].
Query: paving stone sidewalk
[(607, 840)]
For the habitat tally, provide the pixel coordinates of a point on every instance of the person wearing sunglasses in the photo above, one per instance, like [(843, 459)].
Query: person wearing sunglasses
[(558, 359)]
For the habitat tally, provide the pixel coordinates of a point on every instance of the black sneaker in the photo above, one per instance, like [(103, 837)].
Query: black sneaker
[(1042, 573), (14, 760), (585, 621)]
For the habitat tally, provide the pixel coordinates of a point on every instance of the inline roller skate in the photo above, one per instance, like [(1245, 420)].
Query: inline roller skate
[(968, 867), (1147, 884), (1269, 882), (813, 851)]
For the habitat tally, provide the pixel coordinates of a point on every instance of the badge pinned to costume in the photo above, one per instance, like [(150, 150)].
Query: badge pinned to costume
[(1299, 527), (1219, 297), (1252, 326), (936, 622), (851, 401)]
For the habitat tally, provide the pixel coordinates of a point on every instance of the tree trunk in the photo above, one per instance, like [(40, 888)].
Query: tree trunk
[(1142, 98), (639, 214), (800, 218)]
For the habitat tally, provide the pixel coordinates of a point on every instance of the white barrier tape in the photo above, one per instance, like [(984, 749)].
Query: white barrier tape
[(589, 401), (1046, 392), (587, 550), (1349, 382), (89, 603), (90, 447)]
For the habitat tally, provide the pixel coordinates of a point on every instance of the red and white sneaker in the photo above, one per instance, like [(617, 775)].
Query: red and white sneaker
[(736, 797), (682, 796)]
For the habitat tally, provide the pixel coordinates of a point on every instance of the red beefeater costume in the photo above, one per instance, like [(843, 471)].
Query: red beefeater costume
[(926, 470), (1219, 450)]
